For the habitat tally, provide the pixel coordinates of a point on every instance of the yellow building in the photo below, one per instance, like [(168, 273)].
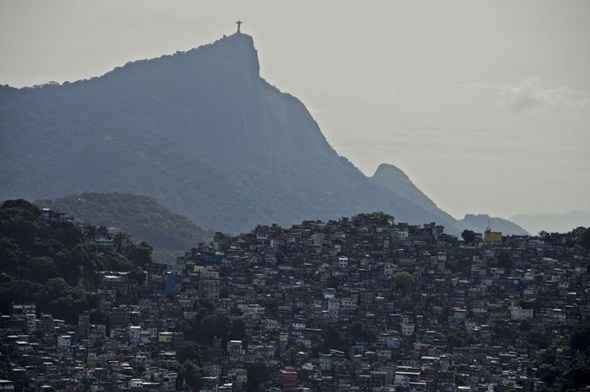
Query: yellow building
[(165, 337), (492, 236)]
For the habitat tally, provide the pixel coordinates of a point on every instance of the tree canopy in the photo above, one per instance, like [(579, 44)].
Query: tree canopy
[(55, 263)]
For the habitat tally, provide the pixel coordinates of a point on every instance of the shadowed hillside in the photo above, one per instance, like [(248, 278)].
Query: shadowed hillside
[(201, 132), (141, 216)]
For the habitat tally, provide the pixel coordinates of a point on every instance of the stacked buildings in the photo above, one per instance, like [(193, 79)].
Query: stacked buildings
[(357, 304)]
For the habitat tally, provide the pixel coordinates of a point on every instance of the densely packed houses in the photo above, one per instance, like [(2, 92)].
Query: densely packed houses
[(358, 304)]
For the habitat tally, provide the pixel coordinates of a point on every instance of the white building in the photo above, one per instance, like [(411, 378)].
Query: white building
[(519, 313)]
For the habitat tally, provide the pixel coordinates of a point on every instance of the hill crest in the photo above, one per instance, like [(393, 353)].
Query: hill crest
[(201, 132), (140, 216)]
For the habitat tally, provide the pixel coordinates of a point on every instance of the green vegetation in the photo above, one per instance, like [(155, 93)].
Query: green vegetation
[(55, 264), (565, 365), (191, 375), (585, 238), (468, 236), (403, 282)]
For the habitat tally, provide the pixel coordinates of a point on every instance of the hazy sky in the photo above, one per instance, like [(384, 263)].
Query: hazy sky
[(485, 105)]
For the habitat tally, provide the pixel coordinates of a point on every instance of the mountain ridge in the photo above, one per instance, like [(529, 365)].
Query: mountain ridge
[(201, 132), (398, 182), (481, 222)]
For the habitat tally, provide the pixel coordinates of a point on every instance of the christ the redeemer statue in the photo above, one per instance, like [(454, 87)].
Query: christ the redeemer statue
[(239, 23)]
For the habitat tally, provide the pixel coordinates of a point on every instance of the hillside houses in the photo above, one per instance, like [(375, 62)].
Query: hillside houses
[(357, 304)]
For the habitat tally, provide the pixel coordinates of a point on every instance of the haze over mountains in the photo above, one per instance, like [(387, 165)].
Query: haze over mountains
[(140, 216), (552, 222), (394, 179), (201, 132), (481, 222)]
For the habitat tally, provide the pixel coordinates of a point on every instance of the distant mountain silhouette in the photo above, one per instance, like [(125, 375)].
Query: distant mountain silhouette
[(479, 223), (394, 179), (140, 216), (201, 132), (553, 222)]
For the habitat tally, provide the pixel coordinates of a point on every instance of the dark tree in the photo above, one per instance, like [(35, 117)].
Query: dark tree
[(192, 375), (586, 238), (580, 340), (258, 374), (140, 254), (505, 261), (403, 282), (468, 236)]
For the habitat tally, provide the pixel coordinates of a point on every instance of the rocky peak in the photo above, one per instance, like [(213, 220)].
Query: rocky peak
[(236, 51), (394, 179)]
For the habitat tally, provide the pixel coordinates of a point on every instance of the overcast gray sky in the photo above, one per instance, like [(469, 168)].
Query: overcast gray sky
[(485, 105)]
